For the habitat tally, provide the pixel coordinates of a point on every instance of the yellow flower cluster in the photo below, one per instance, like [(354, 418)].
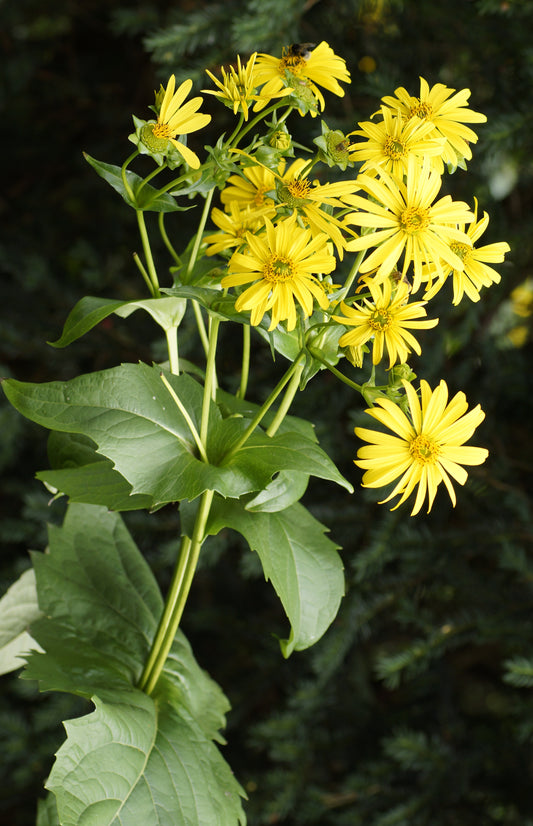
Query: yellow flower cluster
[(282, 230)]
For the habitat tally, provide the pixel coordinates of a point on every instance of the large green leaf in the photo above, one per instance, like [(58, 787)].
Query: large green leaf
[(136, 424), (135, 761), (18, 609), (86, 476), (91, 310), (136, 758), (300, 561)]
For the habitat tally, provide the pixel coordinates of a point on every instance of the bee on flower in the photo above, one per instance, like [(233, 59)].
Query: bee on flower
[(303, 68)]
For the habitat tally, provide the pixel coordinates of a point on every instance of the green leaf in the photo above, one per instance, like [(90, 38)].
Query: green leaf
[(283, 491), (135, 761), (91, 310), (100, 603), (134, 421), (136, 758), (145, 196), (85, 476), (302, 564), (18, 609), (47, 812)]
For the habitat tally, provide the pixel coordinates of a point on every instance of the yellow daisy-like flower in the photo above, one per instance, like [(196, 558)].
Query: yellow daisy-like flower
[(175, 119), (306, 64), (386, 320), (447, 114), (237, 88), (427, 448), (280, 265), (475, 272), (389, 144), (234, 226), (299, 194), (252, 189), (408, 222)]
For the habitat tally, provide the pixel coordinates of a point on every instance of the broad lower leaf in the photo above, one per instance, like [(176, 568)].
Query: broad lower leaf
[(135, 761), (136, 424), (18, 609), (85, 476), (300, 561)]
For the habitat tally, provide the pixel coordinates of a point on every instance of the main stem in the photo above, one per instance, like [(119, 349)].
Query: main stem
[(177, 597)]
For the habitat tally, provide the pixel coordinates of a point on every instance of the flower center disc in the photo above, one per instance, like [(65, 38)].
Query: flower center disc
[(424, 449), (155, 136), (414, 219), (294, 194), (424, 111), (279, 269), (394, 149), (293, 63), (460, 250), (380, 320)]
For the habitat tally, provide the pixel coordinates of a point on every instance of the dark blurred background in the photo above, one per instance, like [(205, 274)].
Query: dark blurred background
[(416, 708)]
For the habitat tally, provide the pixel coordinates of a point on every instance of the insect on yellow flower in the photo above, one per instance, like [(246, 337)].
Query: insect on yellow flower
[(426, 449), (305, 63), (175, 119), (280, 264)]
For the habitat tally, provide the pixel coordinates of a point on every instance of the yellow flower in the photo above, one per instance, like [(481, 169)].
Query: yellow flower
[(447, 114), (234, 226), (389, 144), (408, 222), (296, 192), (386, 320), (306, 65), (279, 264), (475, 272), (252, 189), (175, 119), (428, 448), (237, 88)]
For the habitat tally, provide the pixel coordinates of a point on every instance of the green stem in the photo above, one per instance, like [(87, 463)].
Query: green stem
[(290, 393), (125, 181), (236, 130), (198, 239), (172, 346), (201, 326), (177, 597), (142, 270), (259, 117), (210, 380), (341, 376), (151, 175), (166, 239), (265, 407), (245, 370), (353, 272), (148, 254)]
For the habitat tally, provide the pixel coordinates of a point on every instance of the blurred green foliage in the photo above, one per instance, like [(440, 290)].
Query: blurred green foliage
[(416, 708)]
